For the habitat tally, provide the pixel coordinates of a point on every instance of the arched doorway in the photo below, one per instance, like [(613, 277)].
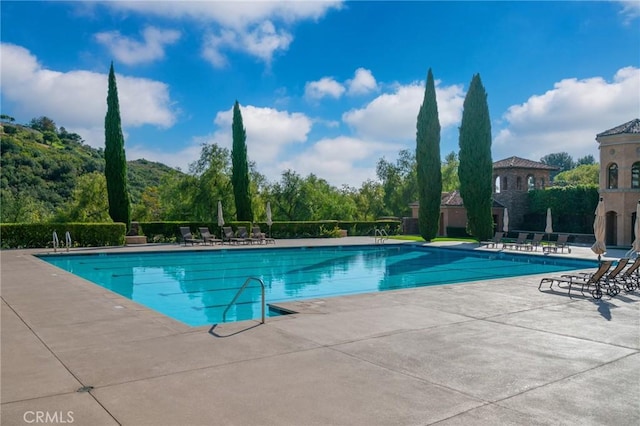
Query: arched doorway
[(612, 228)]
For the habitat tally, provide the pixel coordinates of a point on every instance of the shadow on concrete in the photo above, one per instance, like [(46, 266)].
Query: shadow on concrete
[(221, 336)]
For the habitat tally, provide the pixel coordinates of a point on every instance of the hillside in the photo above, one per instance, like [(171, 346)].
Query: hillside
[(45, 165)]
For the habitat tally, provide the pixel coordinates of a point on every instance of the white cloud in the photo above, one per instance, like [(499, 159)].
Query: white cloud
[(258, 28), (569, 116), (131, 52), (262, 41), (630, 10), (78, 98), (269, 131), (341, 160), (177, 159), (392, 116), (362, 83), (324, 87), (279, 140)]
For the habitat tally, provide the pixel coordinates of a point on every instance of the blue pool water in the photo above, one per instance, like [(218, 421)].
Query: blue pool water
[(196, 287)]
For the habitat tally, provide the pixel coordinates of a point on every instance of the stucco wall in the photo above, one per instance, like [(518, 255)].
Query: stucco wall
[(620, 203)]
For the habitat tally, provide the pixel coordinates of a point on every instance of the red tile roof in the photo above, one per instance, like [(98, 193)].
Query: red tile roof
[(521, 163)]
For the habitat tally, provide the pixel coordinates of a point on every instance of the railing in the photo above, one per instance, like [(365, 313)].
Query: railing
[(56, 241), (67, 239), (380, 235), (224, 314)]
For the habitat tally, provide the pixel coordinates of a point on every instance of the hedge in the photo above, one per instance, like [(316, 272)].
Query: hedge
[(23, 235), (36, 235)]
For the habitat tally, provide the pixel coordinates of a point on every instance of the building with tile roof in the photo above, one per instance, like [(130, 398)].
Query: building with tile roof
[(620, 180), (513, 178)]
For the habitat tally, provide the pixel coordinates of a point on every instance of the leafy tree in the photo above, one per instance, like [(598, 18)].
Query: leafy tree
[(115, 160), (562, 160), (476, 167), (326, 202), (368, 200), (176, 194), (88, 202), (399, 183), (587, 159), (43, 124), (585, 174), (240, 167), (259, 190), (428, 163), (5, 117), (450, 181), (290, 201), (148, 209), (22, 207), (214, 184)]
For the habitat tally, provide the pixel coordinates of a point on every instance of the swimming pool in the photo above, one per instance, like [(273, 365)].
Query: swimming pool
[(196, 287)]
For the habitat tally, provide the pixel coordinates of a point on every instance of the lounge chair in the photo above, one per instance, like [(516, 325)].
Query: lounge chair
[(609, 280), (520, 243), (229, 236), (243, 236), (629, 278), (187, 237), (586, 281), (208, 237), (536, 241), (258, 235), (559, 244), (497, 239)]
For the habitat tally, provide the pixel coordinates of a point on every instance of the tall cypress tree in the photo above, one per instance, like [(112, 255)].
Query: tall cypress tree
[(476, 167), (428, 163), (115, 161), (240, 167)]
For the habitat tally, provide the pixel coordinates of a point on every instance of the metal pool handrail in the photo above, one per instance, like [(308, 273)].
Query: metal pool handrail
[(56, 242), (380, 235), (248, 280)]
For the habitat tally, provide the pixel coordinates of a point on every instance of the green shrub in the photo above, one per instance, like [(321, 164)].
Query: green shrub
[(37, 235)]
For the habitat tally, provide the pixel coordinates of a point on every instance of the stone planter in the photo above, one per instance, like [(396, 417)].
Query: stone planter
[(135, 239)]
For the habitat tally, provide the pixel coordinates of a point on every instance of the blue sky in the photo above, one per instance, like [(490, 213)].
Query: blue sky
[(325, 87)]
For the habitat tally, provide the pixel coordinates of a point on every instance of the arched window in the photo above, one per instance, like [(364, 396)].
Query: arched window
[(541, 183), (519, 183), (504, 183), (531, 183), (635, 175), (612, 176), (496, 185)]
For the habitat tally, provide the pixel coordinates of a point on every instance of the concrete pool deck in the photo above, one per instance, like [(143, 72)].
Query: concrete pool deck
[(481, 353)]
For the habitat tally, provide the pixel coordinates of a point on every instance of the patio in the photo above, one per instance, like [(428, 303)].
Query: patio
[(490, 352)]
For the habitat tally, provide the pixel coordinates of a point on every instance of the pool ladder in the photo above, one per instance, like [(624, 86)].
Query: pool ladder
[(380, 236), (56, 242), (248, 280)]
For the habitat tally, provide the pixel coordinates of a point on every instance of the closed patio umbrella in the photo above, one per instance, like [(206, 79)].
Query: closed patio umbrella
[(505, 221), (549, 228), (269, 221), (636, 230), (220, 217), (599, 230)]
